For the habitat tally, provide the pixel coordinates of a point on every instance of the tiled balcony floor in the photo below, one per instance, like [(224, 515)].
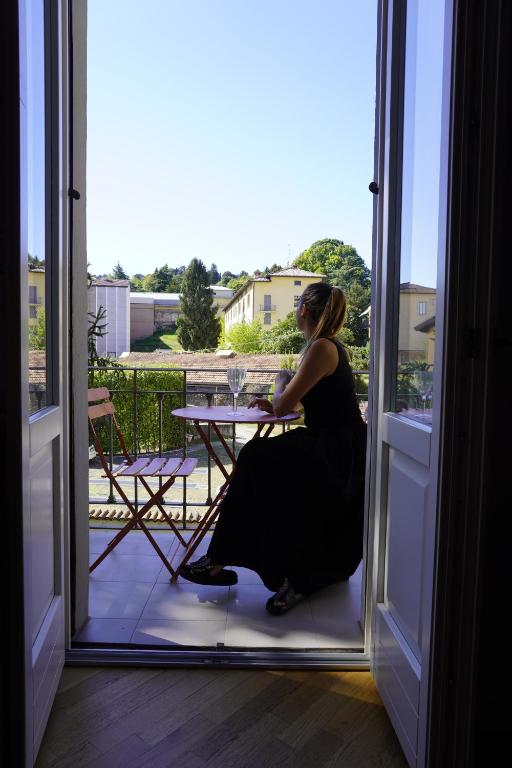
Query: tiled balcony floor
[(132, 601)]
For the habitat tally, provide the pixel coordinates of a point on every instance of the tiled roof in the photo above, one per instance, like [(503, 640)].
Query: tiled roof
[(426, 325), (37, 366), (215, 372), (415, 288), (294, 272), (111, 283)]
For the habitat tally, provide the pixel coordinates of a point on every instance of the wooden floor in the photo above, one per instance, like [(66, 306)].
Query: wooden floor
[(129, 718)]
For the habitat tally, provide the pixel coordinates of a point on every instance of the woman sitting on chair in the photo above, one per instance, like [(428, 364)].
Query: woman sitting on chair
[(293, 511)]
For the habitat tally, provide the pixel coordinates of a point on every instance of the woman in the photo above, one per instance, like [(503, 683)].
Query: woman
[(300, 493)]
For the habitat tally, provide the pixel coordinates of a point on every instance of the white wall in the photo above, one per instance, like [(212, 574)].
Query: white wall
[(116, 300)]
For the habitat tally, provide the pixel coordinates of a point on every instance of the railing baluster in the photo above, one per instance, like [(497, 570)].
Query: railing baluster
[(135, 437), (184, 479), (160, 397), (111, 498)]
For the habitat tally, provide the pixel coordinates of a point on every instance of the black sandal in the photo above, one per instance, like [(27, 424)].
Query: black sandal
[(199, 573), (284, 600)]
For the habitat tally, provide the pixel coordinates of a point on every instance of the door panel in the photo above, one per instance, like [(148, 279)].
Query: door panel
[(406, 504), (41, 536), (43, 194), (397, 676), (409, 265)]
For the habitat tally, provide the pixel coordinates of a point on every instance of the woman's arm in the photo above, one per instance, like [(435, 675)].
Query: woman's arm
[(320, 360)]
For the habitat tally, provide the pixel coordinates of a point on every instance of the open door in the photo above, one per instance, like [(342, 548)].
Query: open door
[(413, 114), (42, 308)]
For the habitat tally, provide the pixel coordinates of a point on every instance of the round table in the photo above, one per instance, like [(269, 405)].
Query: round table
[(214, 416)]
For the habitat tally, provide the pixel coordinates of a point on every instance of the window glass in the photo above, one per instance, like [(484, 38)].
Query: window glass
[(420, 208), (36, 203), (267, 319)]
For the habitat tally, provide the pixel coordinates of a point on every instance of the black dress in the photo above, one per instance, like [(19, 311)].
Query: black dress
[(294, 507)]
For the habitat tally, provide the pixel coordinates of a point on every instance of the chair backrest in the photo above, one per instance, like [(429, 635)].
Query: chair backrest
[(103, 406), (99, 396)]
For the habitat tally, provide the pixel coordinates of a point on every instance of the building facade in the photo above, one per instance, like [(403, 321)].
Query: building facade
[(268, 298), (153, 312), (416, 312), (114, 297), (36, 292)]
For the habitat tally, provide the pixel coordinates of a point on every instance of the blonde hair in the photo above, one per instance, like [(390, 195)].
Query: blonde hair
[(327, 307)]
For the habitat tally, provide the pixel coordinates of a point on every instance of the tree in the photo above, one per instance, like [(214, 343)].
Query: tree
[(96, 330), (213, 275), (35, 262), (118, 273), (37, 331), (175, 284), (272, 269), (136, 284), (226, 277), (199, 328), (158, 281), (358, 300), (237, 282), (284, 337), (339, 262), (245, 337), (353, 271)]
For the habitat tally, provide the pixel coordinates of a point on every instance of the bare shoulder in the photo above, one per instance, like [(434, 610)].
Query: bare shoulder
[(324, 351), (324, 347)]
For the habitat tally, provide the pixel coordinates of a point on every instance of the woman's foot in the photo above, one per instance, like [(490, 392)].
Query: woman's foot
[(284, 600), (203, 571)]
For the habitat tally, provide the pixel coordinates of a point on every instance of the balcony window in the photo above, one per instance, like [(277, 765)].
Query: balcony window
[(267, 318), (297, 282), (422, 307), (32, 294)]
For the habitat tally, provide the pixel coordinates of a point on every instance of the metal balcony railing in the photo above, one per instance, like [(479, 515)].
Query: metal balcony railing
[(269, 308), (144, 409)]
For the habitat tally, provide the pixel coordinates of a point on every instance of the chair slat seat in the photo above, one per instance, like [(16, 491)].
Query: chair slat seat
[(169, 468), (186, 468), (152, 468), (130, 470), (140, 469)]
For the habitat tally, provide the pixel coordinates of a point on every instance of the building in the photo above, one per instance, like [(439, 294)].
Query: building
[(36, 292), (417, 305), (114, 297), (268, 298), (428, 327), (153, 312)]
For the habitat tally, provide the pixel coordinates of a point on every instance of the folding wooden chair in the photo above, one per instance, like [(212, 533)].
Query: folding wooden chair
[(140, 469)]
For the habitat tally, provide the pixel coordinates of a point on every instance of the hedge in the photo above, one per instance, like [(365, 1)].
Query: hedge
[(147, 408)]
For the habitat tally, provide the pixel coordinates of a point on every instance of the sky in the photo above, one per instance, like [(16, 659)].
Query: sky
[(234, 131)]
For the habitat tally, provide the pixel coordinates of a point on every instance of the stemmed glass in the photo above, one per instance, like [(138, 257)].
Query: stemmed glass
[(236, 379), (423, 381)]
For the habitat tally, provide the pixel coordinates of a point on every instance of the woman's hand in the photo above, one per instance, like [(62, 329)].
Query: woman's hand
[(283, 378), (262, 404)]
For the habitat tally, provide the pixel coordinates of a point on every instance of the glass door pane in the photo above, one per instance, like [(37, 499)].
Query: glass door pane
[(420, 209), (36, 202)]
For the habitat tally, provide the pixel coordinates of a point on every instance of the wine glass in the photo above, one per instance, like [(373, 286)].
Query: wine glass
[(236, 379), (424, 381)]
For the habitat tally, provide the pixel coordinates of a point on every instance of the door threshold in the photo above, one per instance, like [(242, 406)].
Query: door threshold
[(119, 657)]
